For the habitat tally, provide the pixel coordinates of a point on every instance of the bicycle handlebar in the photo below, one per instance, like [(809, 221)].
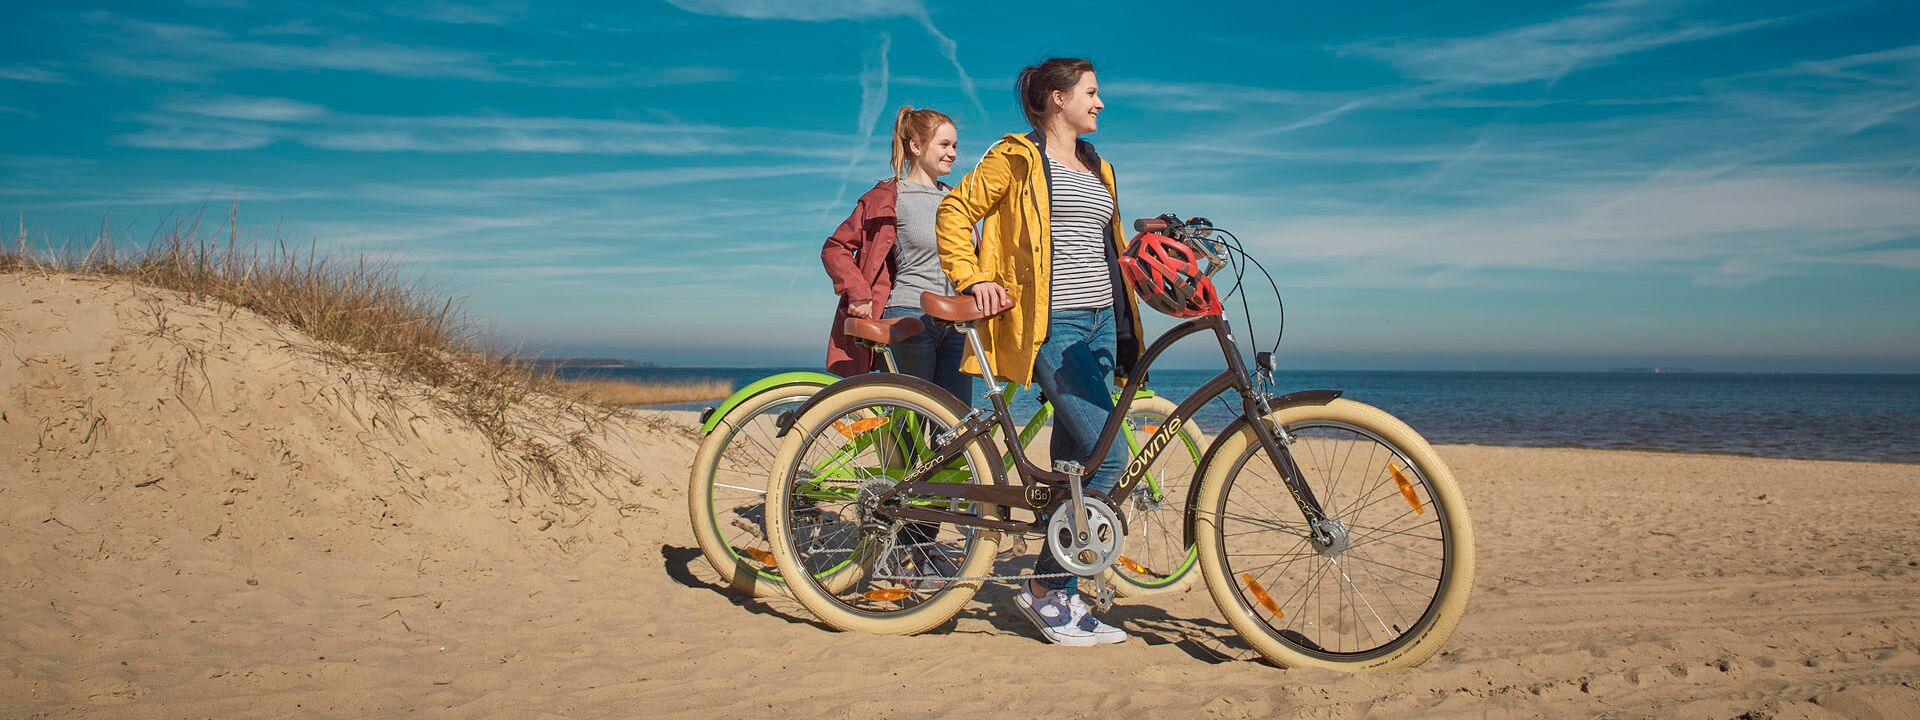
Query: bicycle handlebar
[(1152, 225)]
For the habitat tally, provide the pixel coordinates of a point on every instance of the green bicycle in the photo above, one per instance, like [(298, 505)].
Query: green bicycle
[(727, 486)]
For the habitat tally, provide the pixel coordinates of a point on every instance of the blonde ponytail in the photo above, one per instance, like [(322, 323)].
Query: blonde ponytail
[(911, 124), (901, 126)]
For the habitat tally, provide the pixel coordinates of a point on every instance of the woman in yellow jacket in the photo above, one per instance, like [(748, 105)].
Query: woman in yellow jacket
[(1048, 254)]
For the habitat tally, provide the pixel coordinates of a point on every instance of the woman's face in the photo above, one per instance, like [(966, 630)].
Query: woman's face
[(1080, 107), (938, 154)]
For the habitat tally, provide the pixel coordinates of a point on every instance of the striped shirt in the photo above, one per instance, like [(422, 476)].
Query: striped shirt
[(1082, 209)]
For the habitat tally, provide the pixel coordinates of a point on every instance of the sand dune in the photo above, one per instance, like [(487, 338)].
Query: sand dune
[(201, 517)]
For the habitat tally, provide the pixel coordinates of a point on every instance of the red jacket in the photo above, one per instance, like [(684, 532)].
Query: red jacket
[(859, 258)]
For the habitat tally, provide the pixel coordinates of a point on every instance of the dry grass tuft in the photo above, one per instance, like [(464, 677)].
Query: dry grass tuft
[(366, 315), (623, 393)]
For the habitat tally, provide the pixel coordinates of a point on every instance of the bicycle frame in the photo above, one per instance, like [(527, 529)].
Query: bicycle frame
[(1037, 489), (824, 468), (943, 475)]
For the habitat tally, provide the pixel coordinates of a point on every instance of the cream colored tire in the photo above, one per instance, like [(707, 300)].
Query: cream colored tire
[(809, 591), (707, 526), (1423, 637), (1171, 515)]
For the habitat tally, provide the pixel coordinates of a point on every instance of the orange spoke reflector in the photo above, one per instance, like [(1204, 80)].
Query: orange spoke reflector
[(859, 426), (765, 558), (1150, 430), (1406, 489), (1128, 563), (885, 594), (1260, 593)]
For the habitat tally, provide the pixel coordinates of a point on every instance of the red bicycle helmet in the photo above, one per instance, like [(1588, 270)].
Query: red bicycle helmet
[(1166, 274)]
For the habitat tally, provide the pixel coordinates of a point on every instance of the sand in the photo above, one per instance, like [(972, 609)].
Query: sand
[(201, 517)]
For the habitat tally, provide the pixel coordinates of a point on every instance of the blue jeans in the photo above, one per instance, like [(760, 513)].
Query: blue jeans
[(1073, 368), (934, 354)]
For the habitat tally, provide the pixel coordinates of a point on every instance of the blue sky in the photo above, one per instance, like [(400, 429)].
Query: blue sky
[(1719, 185)]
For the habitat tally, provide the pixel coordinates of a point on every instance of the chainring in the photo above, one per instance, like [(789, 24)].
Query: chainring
[(1095, 552)]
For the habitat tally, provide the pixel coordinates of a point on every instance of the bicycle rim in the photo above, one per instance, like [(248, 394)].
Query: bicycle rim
[(866, 571), (1392, 586)]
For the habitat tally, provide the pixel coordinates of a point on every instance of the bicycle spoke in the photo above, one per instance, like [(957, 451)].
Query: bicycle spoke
[(1367, 592), (861, 561)]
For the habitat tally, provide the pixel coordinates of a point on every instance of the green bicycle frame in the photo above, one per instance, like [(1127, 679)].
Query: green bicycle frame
[(834, 466)]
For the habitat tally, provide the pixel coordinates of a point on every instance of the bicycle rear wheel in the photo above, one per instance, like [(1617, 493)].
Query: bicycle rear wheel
[(1394, 583), (728, 486), (842, 557), (1157, 558)]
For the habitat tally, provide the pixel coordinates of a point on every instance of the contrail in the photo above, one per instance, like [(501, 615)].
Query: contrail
[(873, 101), (951, 50)]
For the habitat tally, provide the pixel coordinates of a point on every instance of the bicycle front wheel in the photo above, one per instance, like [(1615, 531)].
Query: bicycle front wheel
[(1392, 584), (841, 553)]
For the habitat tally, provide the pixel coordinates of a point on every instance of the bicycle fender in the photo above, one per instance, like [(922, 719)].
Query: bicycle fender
[(710, 418), (1298, 397)]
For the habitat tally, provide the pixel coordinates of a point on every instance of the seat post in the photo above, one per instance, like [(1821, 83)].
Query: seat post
[(980, 351), (886, 354)]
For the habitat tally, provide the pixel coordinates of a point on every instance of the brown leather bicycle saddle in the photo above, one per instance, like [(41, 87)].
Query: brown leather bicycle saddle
[(884, 332), (952, 308)]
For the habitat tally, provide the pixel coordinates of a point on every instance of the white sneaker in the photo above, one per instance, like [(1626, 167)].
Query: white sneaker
[(1063, 619), (1103, 633)]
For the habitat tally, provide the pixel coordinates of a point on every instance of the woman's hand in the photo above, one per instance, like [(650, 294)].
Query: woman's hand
[(862, 309), (989, 298)]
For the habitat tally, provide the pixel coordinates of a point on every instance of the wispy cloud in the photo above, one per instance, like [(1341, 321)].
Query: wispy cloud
[(825, 10), (29, 73), (238, 123), (1598, 33), (1720, 231), (805, 10), (1331, 114), (646, 77), (486, 193), (497, 12), (230, 137), (263, 109), (1750, 177), (1209, 97), (462, 193), (167, 51)]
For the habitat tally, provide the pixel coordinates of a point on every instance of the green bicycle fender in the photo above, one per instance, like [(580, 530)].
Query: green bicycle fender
[(711, 419)]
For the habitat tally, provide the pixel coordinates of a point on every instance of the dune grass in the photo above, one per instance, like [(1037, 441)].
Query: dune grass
[(363, 312)]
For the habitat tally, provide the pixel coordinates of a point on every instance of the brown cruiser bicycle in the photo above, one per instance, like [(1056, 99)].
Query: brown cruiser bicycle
[(1329, 533)]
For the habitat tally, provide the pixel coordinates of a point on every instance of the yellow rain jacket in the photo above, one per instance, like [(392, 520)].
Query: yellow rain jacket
[(1008, 189)]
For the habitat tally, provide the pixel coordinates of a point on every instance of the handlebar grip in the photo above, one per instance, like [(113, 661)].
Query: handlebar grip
[(1152, 225)]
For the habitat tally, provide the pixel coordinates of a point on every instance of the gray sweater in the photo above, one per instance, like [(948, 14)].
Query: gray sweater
[(916, 255)]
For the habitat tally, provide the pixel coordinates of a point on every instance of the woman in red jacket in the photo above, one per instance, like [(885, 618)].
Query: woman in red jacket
[(884, 255)]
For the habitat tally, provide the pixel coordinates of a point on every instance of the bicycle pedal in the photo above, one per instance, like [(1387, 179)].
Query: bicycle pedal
[(1103, 598)]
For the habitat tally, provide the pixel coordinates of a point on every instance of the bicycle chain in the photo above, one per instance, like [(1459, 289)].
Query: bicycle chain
[(982, 578)]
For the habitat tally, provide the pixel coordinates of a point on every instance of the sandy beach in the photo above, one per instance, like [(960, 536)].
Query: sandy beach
[(200, 516)]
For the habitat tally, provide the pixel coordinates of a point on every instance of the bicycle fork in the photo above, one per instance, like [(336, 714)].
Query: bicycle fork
[(1275, 441)]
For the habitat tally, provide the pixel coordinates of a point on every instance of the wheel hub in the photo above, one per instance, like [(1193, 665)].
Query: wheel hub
[(866, 504), (1330, 537)]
